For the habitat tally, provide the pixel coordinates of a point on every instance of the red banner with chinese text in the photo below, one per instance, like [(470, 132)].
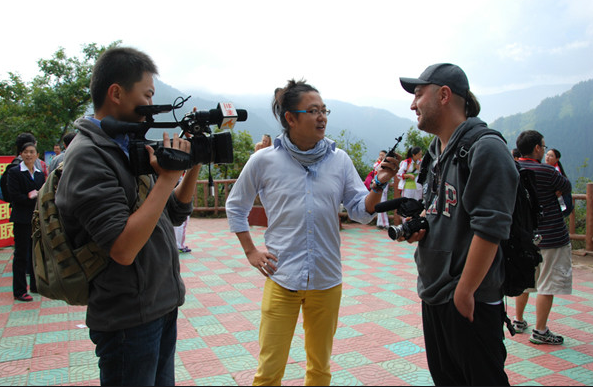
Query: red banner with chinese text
[(6, 235)]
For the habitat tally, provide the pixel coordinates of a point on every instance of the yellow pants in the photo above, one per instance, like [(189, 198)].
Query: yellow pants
[(279, 314)]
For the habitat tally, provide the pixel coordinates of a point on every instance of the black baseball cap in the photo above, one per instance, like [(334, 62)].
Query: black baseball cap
[(442, 74)]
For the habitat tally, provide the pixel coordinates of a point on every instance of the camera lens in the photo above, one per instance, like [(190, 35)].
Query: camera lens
[(395, 232)]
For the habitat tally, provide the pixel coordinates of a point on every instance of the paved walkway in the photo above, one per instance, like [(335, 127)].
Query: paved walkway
[(379, 339)]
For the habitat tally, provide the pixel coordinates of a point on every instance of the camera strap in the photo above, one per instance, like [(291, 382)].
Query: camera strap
[(173, 159)]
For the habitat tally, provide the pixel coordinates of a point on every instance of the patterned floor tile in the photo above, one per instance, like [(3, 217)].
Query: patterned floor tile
[(379, 340)]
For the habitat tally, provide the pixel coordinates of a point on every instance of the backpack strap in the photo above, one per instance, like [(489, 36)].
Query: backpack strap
[(467, 141)]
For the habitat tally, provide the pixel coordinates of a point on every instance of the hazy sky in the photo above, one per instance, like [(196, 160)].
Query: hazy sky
[(350, 50)]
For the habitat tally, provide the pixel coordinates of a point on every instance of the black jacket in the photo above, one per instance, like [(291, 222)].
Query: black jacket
[(19, 185)]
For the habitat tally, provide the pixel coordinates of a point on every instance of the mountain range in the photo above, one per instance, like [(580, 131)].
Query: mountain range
[(540, 108)]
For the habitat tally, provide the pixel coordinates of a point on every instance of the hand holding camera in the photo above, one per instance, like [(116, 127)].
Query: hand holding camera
[(408, 208)]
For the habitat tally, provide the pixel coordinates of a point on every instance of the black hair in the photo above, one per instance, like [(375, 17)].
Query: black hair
[(516, 153), (527, 141), (558, 154), (287, 99), (122, 65), (472, 106), (26, 145), (68, 137), (413, 151), (22, 139)]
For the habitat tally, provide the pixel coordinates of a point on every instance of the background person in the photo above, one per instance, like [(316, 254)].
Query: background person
[(516, 154), (460, 263), (301, 182), (565, 200), (68, 137), (554, 273), (24, 182), (382, 217), (133, 303), (265, 142), (408, 174)]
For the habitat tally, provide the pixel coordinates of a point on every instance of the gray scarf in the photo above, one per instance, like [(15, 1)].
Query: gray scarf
[(309, 157)]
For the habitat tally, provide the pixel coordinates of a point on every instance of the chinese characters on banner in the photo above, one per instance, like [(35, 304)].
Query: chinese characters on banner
[(6, 235)]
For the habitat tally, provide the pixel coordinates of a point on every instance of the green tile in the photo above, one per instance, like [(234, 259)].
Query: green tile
[(190, 344), (228, 351), (399, 367), (49, 377), (344, 378), (575, 357), (346, 332), (580, 374), (83, 373), (239, 363), (350, 360), (418, 378)]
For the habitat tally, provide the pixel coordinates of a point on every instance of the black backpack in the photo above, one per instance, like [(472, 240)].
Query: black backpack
[(4, 180), (520, 251)]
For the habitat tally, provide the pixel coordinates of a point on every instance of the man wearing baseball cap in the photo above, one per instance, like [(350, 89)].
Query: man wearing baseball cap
[(460, 272)]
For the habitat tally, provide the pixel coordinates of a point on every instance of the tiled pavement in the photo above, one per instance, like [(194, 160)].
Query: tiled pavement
[(379, 339)]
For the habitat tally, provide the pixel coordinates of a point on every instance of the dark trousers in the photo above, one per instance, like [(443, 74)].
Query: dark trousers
[(22, 261), (464, 353), (138, 356)]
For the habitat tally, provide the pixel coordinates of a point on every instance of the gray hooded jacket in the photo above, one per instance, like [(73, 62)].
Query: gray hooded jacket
[(95, 196), (458, 209)]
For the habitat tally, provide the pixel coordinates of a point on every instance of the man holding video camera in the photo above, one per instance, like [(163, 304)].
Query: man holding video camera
[(132, 309), (460, 268)]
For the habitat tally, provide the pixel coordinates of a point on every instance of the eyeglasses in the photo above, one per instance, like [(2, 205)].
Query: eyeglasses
[(544, 146), (316, 112)]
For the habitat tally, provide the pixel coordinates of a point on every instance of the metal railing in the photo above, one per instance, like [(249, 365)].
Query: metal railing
[(205, 202), (588, 236)]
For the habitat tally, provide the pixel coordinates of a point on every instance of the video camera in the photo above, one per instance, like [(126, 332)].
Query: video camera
[(206, 147), (405, 207)]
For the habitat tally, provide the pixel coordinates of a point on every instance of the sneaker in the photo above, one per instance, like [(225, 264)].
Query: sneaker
[(185, 250), (546, 338), (520, 326), (25, 298)]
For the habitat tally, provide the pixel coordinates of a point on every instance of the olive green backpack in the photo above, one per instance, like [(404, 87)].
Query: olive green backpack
[(61, 272)]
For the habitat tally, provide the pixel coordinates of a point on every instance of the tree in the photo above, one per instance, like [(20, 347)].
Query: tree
[(48, 105), (356, 149), (414, 137)]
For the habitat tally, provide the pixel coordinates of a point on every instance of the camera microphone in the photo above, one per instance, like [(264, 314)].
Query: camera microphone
[(113, 127), (390, 205)]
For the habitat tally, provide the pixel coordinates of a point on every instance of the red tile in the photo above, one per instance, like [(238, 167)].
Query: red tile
[(204, 368), (552, 362), (220, 340), (15, 367), (557, 380), (375, 375), (42, 363), (51, 348)]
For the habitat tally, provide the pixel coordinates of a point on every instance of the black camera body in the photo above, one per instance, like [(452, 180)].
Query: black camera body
[(206, 147), (406, 230), (406, 208)]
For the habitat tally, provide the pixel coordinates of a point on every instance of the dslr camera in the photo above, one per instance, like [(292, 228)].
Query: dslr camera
[(407, 208), (206, 147)]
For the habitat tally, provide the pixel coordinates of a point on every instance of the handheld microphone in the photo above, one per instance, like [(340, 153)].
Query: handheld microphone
[(226, 115)]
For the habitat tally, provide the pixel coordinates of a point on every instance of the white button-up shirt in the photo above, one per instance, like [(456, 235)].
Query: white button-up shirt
[(302, 206)]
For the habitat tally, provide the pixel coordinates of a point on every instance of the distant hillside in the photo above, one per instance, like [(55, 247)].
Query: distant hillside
[(566, 121), (516, 101)]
